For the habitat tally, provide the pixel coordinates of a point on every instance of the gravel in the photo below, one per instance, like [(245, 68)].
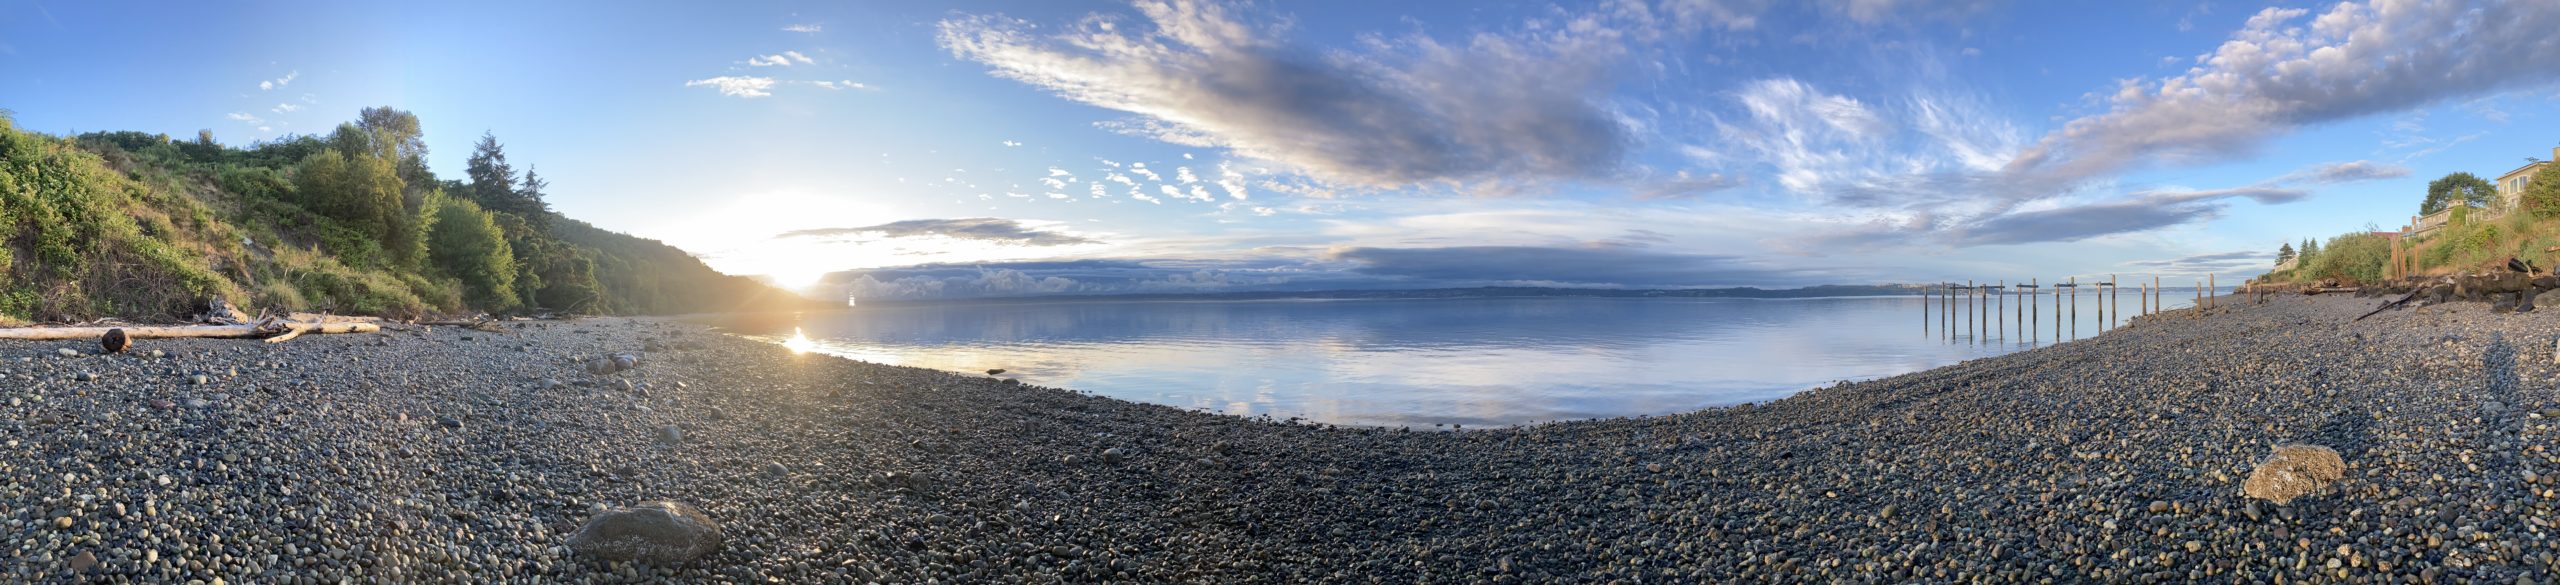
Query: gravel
[(420, 456)]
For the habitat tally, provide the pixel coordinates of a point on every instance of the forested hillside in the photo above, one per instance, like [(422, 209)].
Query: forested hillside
[(138, 225)]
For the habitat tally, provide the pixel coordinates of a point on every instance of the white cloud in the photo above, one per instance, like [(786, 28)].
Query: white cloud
[(1406, 111), (796, 56), (845, 84), (804, 28), (2277, 74), (768, 61), (280, 81), (1010, 143), (287, 108), (1231, 181), (1838, 149), (244, 117), (737, 86)]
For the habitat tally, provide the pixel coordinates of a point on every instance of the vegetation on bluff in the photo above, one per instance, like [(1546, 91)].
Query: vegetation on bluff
[(2478, 234), (133, 224)]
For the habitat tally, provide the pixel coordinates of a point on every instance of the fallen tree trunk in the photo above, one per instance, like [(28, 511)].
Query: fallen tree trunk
[(2404, 300), (272, 330)]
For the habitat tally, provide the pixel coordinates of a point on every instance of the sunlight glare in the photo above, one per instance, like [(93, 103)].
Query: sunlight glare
[(799, 343)]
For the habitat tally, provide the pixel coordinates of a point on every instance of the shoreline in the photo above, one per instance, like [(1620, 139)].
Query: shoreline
[(444, 455)]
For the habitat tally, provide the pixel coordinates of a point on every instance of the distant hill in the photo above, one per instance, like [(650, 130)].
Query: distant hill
[(144, 226)]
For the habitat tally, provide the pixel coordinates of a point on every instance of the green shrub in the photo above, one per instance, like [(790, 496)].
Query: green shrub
[(2354, 257), (468, 245), (2542, 192)]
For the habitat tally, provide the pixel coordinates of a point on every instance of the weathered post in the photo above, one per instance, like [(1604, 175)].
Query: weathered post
[(2210, 289), (2057, 310), (2000, 311), (2115, 299)]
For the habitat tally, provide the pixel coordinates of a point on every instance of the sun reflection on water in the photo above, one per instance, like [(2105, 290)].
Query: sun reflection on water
[(799, 342)]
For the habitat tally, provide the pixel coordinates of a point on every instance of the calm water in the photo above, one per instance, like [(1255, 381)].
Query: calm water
[(1477, 362)]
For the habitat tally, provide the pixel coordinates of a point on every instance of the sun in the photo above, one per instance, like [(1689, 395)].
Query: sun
[(798, 280)]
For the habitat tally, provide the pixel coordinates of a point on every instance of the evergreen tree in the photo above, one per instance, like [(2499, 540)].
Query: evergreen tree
[(493, 181), (529, 196), (2284, 254)]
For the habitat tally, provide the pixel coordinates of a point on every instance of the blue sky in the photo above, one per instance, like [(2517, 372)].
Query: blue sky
[(1172, 146)]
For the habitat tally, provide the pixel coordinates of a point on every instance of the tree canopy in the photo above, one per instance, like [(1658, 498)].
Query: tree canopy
[(2463, 188)]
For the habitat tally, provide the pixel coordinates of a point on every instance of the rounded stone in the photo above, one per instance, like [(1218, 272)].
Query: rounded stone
[(657, 533)]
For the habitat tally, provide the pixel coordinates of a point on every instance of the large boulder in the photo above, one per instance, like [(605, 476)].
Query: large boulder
[(657, 533), (2294, 471), (2506, 282)]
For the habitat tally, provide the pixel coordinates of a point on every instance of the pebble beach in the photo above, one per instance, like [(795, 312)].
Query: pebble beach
[(461, 455)]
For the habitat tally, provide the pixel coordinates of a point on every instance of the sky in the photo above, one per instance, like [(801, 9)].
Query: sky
[(975, 148)]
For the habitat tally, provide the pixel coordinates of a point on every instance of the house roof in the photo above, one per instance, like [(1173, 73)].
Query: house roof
[(2528, 167)]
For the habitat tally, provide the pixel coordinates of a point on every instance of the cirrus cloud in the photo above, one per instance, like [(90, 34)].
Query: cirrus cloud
[(986, 229), (1413, 111)]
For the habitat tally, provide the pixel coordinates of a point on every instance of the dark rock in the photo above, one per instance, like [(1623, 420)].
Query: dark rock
[(657, 533), (115, 341)]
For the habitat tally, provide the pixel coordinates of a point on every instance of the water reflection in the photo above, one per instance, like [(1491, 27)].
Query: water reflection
[(1415, 362)]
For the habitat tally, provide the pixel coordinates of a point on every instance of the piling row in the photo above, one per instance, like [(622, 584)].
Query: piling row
[(1978, 311)]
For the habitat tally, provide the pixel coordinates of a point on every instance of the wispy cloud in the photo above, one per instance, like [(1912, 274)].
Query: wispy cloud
[(1684, 185), (985, 229), (804, 28), (244, 117), (843, 84), (1564, 266), (2279, 73), (2222, 262), (737, 86), (286, 108), (280, 81), (1410, 111), (2158, 208)]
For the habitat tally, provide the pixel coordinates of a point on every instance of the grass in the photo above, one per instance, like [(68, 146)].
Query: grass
[(2471, 242), (146, 234)]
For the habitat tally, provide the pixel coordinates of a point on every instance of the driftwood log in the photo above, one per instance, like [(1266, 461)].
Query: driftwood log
[(2404, 300), (271, 329)]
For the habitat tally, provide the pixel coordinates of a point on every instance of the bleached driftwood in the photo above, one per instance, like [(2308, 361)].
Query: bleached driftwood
[(272, 329)]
